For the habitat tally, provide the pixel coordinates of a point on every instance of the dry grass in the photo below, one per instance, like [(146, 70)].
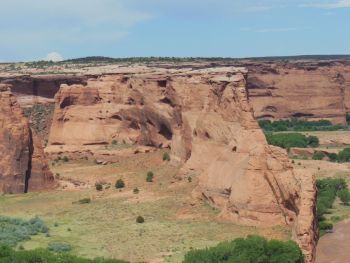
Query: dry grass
[(174, 223)]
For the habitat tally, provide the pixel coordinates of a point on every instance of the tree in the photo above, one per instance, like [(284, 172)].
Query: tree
[(344, 196), (119, 184), (149, 177)]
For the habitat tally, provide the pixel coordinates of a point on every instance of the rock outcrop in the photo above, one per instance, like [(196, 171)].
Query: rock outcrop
[(302, 89), (23, 166), (204, 116)]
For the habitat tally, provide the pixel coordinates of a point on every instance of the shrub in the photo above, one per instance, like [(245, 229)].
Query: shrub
[(59, 247), (298, 125), (114, 142), (140, 220), (85, 201), (344, 155), (333, 157), (253, 249), (344, 196), (325, 225), (166, 157), (8, 255), (149, 177), (98, 187), (119, 184), (318, 156), (15, 230), (288, 140), (65, 159), (136, 190)]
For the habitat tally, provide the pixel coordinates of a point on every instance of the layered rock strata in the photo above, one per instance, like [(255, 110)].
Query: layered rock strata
[(204, 116), (23, 166)]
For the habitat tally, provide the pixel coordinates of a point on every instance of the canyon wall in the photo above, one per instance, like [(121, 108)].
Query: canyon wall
[(23, 166), (204, 116), (308, 89)]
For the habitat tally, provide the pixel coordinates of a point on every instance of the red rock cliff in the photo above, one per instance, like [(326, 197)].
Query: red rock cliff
[(205, 117), (23, 166)]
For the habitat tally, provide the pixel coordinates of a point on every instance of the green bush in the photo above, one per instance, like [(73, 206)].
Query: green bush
[(289, 140), (15, 230), (85, 201), (140, 220), (166, 157), (253, 249), (98, 187), (149, 177), (325, 226), (9, 255), (333, 157), (59, 247), (344, 155), (136, 190), (344, 196), (318, 156), (299, 125), (119, 184), (328, 189)]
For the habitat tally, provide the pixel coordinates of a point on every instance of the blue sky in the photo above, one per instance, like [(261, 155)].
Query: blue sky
[(31, 29)]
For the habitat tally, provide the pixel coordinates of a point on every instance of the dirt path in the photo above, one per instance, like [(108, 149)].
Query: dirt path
[(335, 247)]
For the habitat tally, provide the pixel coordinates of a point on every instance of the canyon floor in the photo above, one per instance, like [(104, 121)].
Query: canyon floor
[(174, 223), (106, 227)]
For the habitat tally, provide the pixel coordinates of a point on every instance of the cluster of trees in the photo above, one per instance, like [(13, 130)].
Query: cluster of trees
[(328, 190), (288, 140), (253, 249), (9, 255), (298, 125)]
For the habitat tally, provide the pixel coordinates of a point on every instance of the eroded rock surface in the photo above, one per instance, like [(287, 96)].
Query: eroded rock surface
[(204, 116), (308, 89), (23, 166)]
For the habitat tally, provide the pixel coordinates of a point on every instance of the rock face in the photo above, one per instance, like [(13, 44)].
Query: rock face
[(307, 89), (204, 116), (23, 166)]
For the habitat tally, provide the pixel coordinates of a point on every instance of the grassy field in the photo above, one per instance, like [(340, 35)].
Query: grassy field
[(107, 226)]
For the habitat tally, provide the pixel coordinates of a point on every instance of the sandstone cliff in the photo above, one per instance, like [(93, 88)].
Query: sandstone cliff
[(307, 89), (204, 116), (23, 166)]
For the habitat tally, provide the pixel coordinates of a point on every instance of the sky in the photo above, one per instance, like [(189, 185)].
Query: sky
[(63, 29)]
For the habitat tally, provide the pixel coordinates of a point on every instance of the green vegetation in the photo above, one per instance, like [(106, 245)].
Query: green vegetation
[(253, 249), (15, 230), (149, 177), (328, 189), (344, 155), (59, 247), (9, 255), (136, 190), (98, 186), (288, 140), (85, 201), (140, 220), (119, 184), (299, 125), (166, 157), (318, 156), (344, 196), (65, 159)]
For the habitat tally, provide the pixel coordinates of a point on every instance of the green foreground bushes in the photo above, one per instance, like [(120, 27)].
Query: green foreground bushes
[(9, 255), (288, 140), (253, 249)]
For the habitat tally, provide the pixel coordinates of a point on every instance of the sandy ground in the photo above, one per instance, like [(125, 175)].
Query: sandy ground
[(335, 247)]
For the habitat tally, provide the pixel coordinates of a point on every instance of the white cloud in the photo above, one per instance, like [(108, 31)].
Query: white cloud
[(272, 30), (54, 56), (330, 4)]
